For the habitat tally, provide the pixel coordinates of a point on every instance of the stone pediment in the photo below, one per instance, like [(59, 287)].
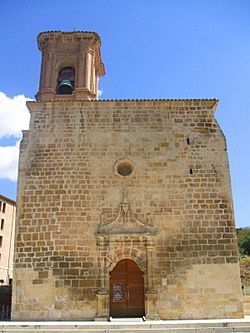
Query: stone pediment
[(125, 222)]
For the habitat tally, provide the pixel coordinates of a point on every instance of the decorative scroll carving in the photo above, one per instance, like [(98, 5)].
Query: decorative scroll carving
[(66, 52), (125, 222)]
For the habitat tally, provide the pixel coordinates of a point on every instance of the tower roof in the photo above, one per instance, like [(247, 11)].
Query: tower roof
[(56, 34)]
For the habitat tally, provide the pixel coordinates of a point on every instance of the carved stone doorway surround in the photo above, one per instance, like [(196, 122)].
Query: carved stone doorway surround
[(126, 237)]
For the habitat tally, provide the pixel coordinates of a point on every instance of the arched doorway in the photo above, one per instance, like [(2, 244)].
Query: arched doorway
[(126, 290)]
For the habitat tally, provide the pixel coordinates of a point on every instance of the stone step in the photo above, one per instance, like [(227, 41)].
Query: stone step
[(174, 326)]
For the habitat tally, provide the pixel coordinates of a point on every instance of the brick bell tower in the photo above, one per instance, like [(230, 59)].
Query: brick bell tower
[(71, 65)]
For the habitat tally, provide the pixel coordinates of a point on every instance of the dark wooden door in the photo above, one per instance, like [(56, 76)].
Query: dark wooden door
[(126, 290)]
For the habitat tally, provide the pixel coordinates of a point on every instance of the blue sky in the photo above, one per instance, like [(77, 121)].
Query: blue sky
[(151, 49)]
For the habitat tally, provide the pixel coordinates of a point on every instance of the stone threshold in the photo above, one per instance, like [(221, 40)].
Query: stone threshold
[(127, 326)]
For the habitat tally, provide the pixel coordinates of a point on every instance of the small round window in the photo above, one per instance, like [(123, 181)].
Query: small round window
[(124, 168)]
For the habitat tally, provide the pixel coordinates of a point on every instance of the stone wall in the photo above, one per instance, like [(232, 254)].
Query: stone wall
[(181, 226)]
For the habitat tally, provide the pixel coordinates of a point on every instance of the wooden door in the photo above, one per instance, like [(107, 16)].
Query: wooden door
[(126, 290)]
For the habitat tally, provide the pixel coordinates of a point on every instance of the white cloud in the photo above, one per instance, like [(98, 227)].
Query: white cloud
[(99, 93), (14, 117), (9, 161)]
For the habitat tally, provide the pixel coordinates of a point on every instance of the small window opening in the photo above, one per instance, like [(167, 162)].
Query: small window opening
[(191, 171), (4, 207), (0, 206), (124, 168), (188, 141), (66, 81), (2, 224), (1, 241)]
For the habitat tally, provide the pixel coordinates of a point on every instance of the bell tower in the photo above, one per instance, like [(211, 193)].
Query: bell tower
[(71, 65)]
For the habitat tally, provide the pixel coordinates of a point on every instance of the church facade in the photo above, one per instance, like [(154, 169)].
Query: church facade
[(124, 206)]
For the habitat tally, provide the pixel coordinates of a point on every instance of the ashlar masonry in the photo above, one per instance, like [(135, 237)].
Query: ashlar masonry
[(124, 206)]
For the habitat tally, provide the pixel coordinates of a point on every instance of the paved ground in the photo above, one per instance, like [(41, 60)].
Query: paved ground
[(130, 325)]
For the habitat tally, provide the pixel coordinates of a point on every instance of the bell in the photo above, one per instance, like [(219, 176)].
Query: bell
[(65, 87)]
